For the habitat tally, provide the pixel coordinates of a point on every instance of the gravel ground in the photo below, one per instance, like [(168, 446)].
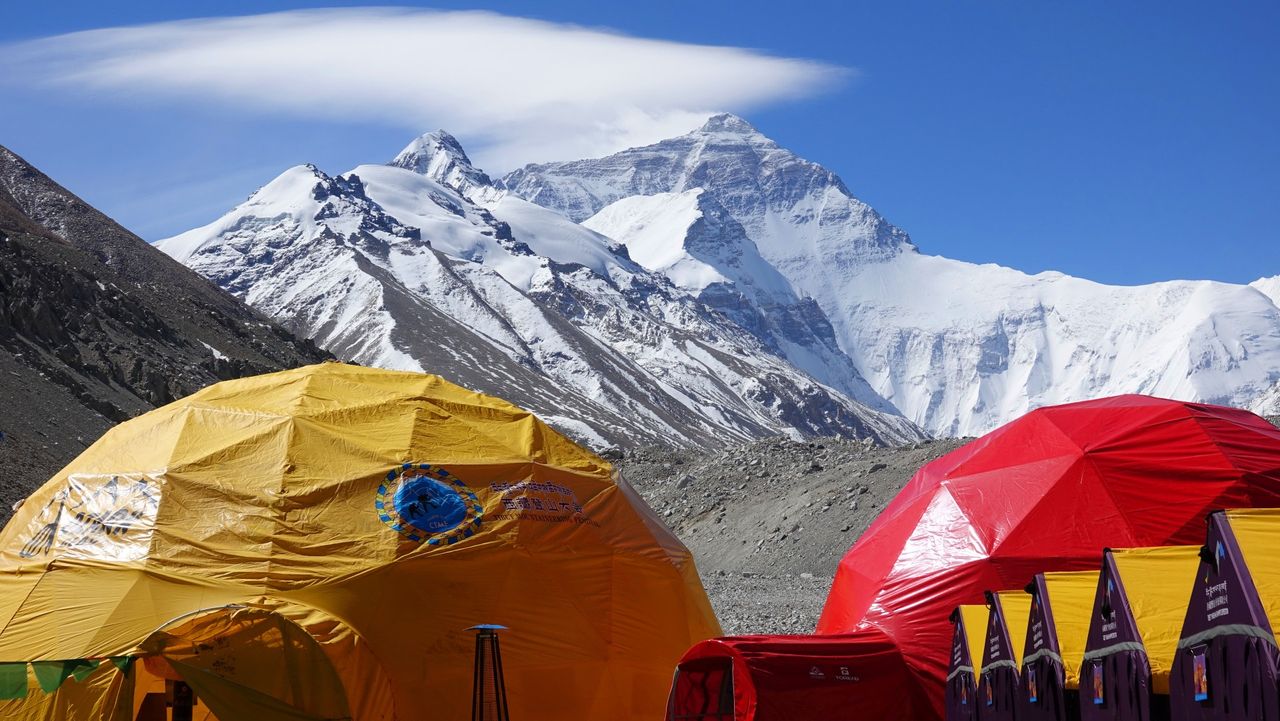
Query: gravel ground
[(769, 521)]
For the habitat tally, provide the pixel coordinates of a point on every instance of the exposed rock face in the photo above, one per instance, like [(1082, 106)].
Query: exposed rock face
[(97, 326)]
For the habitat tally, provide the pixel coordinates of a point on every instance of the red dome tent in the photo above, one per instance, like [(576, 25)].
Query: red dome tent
[(1046, 492)]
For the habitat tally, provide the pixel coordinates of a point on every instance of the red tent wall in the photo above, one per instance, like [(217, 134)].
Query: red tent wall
[(1046, 492), (802, 678)]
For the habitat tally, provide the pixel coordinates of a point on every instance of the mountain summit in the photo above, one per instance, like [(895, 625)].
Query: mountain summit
[(728, 123), (439, 156)]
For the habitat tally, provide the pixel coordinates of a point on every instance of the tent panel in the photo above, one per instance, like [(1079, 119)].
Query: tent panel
[(1015, 609), (1041, 670), (1070, 599), (1157, 585), (1257, 534), (125, 605), (974, 617)]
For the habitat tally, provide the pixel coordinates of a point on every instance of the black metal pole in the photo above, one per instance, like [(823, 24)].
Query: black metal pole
[(489, 689)]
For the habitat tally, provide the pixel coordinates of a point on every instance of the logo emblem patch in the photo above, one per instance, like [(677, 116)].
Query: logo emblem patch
[(422, 502)]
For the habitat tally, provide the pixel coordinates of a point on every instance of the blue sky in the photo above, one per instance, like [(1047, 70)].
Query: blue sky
[(1123, 142)]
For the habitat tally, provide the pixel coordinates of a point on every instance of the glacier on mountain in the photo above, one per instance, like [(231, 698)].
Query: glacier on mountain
[(958, 348)]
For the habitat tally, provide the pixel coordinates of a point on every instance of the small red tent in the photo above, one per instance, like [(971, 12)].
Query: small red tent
[(1046, 492), (794, 678)]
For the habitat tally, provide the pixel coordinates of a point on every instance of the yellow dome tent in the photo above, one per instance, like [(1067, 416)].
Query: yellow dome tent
[(313, 544)]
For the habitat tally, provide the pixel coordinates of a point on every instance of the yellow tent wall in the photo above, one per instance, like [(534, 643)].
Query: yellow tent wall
[(1158, 582), (1071, 601), (974, 618), (1017, 607), (1257, 531)]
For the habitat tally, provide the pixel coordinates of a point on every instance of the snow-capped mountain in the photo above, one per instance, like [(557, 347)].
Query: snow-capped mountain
[(425, 264), (957, 347)]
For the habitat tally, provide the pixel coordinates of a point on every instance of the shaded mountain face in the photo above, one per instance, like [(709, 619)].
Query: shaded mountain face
[(956, 347), (424, 264), (97, 326)]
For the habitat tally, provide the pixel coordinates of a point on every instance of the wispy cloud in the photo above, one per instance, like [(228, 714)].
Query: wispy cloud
[(515, 89)]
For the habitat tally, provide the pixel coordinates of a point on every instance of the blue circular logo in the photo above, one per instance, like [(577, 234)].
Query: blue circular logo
[(429, 504), (425, 503)]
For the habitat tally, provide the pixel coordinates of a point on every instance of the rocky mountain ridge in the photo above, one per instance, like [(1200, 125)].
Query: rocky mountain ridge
[(421, 265)]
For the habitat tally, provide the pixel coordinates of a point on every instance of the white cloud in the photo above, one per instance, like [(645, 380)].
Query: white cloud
[(518, 90)]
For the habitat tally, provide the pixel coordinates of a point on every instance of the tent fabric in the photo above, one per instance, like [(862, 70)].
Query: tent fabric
[(1057, 626), (1046, 492), (999, 689), (968, 634), (1135, 623), (793, 678), (1227, 666), (385, 512)]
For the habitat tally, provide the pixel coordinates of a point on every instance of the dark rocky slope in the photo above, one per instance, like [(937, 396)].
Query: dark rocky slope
[(97, 326)]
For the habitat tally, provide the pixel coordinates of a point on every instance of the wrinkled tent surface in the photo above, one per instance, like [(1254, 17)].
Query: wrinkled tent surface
[(1138, 610), (381, 512), (792, 678), (968, 632), (1046, 492), (1226, 666), (999, 690), (1057, 627)]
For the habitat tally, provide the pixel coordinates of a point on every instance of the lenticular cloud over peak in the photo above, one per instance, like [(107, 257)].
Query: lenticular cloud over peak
[(525, 89)]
